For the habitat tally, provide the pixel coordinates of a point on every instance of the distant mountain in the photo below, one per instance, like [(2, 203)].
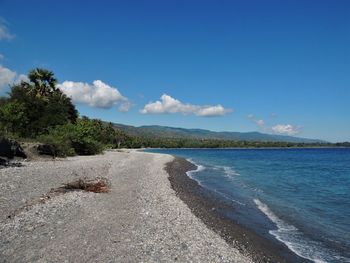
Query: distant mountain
[(171, 132)]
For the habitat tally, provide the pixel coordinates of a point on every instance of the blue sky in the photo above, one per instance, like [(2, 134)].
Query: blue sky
[(273, 66)]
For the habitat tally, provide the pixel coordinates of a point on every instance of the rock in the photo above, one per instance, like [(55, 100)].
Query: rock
[(39, 151), (46, 149), (10, 149), (3, 162)]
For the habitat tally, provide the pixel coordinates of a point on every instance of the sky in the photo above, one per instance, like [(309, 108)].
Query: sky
[(279, 67)]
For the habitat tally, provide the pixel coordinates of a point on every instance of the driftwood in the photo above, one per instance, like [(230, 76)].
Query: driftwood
[(96, 185)]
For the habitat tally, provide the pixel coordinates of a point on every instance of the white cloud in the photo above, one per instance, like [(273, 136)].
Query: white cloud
[(9, 77), (2, 56), (125, 106), (285, 129), (259, 122), (167, 104), (21, 78), (4, 32), (98, 94), (211, 111)]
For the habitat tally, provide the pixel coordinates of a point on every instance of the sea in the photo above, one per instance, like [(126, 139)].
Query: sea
[(300, 197)]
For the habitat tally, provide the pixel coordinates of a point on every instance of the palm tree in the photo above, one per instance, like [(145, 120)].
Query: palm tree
[(43, 82)]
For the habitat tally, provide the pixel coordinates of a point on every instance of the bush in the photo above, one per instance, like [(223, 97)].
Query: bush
[(60, 138), (86, 137), (12, 117)]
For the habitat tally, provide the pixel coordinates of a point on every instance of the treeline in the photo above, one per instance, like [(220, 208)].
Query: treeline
[(37, 110), (148, 142)]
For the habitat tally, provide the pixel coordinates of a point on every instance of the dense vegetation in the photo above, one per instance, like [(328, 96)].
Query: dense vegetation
[(37, 110), (153, 142)]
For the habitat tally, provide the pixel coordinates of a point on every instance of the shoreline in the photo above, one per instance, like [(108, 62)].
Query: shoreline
[(140, 218), (248, 148), (206, 205)]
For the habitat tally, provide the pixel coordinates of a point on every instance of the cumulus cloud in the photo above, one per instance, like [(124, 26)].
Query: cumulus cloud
[(4, 32), (125, 106), (259, 122), (167, 104), (9, 77), (211, 111), (98, 94), (285, 129), (21, 77)]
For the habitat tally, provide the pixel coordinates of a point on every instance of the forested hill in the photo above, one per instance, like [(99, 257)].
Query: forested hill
[(171, 132)]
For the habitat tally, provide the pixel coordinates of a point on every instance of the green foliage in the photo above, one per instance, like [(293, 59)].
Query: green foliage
[(157, 142), (38, 109), (12, 117), (60, 138), (42, 106), (42, 83), (85, 137), (343, 144)]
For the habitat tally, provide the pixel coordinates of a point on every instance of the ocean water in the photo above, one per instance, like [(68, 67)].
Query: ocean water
[(300, 197)]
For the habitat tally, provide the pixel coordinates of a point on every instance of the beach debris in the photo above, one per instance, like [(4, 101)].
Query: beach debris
[(96, 185)]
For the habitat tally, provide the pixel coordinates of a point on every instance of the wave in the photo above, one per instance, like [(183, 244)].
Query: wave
[(199, 168), (294, 239), (228, 171), (286, 233)]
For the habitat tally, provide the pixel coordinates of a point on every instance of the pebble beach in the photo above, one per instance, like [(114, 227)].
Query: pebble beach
[(140, 219)]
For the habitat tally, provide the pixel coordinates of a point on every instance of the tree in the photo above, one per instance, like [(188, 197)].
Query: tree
[(12, 117), (43, 104), (43, 83)]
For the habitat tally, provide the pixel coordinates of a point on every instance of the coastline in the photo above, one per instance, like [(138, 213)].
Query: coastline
[(249, 148), (206, 205), (139, 219)]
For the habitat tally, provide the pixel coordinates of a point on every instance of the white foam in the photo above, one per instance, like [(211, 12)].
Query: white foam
[(267, 211), (199, 168), (228, 171), (292, 237)]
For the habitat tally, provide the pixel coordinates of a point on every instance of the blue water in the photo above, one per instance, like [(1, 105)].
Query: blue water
[(300, 197)]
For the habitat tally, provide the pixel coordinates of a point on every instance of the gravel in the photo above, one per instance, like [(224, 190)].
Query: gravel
[(139, 220)]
